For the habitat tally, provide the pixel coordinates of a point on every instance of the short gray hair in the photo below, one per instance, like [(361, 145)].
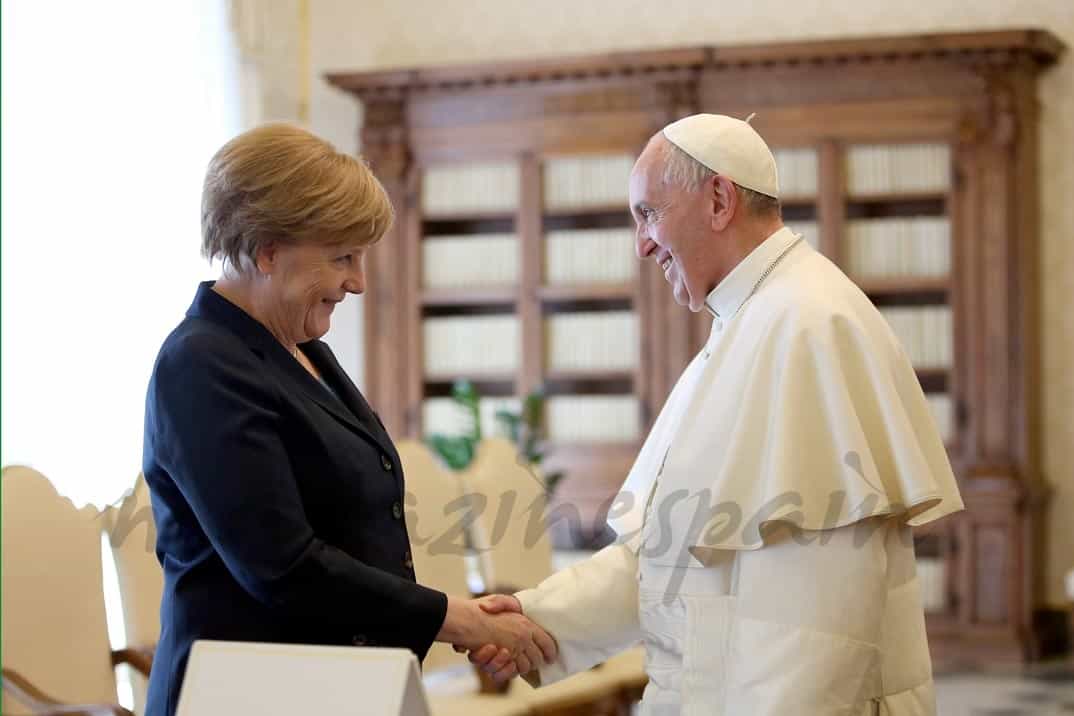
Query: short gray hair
[(683, 170)]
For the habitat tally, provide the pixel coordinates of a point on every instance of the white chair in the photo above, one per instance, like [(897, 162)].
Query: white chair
[(509, 499), (132, 535), (55, 636), (438, 549)]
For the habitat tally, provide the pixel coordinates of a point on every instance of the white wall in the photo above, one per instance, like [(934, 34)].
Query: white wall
[(347, 35)]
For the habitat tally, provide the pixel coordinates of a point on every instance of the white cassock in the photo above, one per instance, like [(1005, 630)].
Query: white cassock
[(802, 409)]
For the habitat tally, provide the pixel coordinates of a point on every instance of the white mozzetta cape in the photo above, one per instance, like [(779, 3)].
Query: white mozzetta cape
[(801, 409)]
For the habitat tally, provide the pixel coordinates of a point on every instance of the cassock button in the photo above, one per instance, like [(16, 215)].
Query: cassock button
[(397, 511), (386, 463), (408, 562)]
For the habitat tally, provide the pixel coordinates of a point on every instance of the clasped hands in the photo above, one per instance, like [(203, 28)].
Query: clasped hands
[(499, 639)]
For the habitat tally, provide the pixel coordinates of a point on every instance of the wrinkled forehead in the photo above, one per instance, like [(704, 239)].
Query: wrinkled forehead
[(646, 177)]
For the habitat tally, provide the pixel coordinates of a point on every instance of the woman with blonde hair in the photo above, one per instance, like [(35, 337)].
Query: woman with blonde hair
[(277, 492)]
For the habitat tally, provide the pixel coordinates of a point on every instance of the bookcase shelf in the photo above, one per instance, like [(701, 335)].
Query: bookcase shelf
[(960, 94), (897, 205), (900, 197), (486, 295), (587, 292), (933, 380), (896, 286)]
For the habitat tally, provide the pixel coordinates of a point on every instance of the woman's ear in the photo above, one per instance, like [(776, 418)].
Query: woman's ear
[(267, 255)]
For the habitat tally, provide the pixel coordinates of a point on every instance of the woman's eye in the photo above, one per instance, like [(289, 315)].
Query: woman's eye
[(345, 259)]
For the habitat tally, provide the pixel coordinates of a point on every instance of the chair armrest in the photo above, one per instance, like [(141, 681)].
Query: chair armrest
[(140, 658), (40, 703)]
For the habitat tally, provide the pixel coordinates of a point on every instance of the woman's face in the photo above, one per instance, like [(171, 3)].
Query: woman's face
[(305, 282)]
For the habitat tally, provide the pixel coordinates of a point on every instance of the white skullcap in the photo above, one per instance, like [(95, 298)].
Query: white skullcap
[(727, 146)]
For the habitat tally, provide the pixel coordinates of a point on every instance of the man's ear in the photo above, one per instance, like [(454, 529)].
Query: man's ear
[(724, 202)]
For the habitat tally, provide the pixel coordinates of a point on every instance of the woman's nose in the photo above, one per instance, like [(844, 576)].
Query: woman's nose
[(355, 282)]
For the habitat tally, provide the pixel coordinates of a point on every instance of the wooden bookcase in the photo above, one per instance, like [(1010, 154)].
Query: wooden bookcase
[(974, 93)]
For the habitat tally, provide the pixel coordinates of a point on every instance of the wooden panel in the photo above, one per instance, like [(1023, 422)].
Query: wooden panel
[(530, 236)]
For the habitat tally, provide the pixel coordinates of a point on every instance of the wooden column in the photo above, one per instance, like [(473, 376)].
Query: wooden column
[(384, 144), (530, 229)]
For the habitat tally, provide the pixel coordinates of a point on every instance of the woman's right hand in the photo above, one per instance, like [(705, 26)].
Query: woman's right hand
[(469, 628)]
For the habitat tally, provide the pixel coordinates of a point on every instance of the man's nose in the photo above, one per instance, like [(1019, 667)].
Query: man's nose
[(643, 245)]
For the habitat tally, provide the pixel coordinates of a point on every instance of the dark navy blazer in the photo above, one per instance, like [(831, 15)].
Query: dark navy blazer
[(278, 505)]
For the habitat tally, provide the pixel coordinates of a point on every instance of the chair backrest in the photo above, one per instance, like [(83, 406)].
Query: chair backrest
[(133, 536), (509, 498), (54, 628), (436, 538)]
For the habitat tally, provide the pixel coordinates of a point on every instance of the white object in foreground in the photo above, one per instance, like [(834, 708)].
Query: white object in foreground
[(225, 678)]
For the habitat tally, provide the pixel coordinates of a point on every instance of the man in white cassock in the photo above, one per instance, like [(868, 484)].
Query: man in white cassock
[(764, 557)]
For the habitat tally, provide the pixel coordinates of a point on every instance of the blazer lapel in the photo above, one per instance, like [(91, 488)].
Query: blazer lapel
[(356, 414), (346, 412)]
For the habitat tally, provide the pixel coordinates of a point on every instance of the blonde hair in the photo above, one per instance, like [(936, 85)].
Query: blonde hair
[(281, 183)]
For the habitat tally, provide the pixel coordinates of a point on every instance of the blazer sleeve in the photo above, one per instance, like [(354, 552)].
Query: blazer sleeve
[(218, 429), (590, 609)]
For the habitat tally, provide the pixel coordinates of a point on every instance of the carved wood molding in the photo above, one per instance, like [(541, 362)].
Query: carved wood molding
[(1006, 48)]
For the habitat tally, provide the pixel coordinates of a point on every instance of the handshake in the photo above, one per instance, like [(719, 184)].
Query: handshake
[(499, 639)]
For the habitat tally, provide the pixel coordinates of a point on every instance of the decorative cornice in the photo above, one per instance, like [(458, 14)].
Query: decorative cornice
[(995, 49)]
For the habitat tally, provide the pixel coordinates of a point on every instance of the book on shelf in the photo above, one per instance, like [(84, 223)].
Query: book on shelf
[(469, 261), (446, 417), (591, 340), (590, 256), (478, 187), (592, 418), (458, 345), (932, 576), (894, 168), (587, 181), (942, 412), (925, 332), (796, 169), (899, 247)]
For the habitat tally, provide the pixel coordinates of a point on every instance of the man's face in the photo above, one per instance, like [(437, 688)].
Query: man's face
[(672, 227)]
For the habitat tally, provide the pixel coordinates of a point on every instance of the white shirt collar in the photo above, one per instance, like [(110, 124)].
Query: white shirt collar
[(729, 295)]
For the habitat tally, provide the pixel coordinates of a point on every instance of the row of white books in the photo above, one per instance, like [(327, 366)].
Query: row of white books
[(571, 256), (447, 417), (925, 332), (932, 575), (568, 418), (889, 168), (469, 261), (918, 246), (809, 230), (797, 171), (590, 255), (457, 345), (587, 181), (458, 188), (597, 340), (940, 405), (592, 418)]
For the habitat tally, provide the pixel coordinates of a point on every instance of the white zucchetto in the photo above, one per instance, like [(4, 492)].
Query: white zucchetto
[(727, 146)]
